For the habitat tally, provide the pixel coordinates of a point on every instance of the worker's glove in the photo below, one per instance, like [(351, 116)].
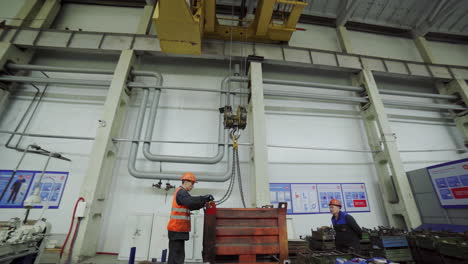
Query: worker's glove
[(208, 197)]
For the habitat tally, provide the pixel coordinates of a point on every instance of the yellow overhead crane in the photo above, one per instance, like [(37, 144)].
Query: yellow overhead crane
[(182, 24)]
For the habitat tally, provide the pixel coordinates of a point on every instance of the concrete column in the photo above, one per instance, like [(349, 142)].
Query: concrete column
[(46, 14), (27, 13), (458, 87), (424, 50), (145, 20), (398, 198), (343, 38), (101, 160), (260, 181)]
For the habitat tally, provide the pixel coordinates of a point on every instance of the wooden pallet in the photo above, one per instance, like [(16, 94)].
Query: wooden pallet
[(247, 233)]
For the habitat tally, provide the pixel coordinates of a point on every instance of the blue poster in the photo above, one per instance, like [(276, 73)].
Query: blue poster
[(281, 192), (17, 188), (464, 179), (450, 182), (23, 184), (314, 198)]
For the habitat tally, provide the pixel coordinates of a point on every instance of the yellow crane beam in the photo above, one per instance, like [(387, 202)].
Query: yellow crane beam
[(182, 26)]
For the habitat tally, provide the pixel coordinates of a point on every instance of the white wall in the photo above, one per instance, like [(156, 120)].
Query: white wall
[(182, 116), (190, 116), (306, 123), (316, 37), (425, 130), (9, 9), (384, 46), (449, 53), (61, 112), (98, 18)]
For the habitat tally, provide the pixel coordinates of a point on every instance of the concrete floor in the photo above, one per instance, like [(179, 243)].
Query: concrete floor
[(98, 259), (105, 259), (52, 258)]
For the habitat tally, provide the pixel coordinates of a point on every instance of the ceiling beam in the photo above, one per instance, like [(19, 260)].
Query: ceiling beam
[(345, 10), (441, 12)]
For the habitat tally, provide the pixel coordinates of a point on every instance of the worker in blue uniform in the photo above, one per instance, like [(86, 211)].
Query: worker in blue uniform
[(348, 234), (179, 224)]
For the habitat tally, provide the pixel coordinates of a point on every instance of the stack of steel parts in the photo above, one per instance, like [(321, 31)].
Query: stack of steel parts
[(392, 244), (245, 235), (366, 245), (423, 244), (439, 247), (296, 246), (323, 257), (322, 239)]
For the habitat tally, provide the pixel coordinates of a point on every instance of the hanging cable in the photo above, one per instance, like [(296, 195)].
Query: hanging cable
[(237, 162), (72, 243), (229, 189), (235, 134), (230, 44)]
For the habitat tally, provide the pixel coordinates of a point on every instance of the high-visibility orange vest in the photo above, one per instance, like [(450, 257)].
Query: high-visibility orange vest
[(180, 216)]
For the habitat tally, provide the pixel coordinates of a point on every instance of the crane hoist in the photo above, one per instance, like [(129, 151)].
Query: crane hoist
[(181, 25)]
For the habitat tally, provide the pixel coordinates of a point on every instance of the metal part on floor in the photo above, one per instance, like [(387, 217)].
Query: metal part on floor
[(322, 239), (439, 246), (22, 242), (390, 243)]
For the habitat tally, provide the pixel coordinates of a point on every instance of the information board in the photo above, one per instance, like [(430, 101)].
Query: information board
[(23, 183), (355, 197), (328, 192), (450, 182), (304, 198), (313, 198), (281, 192)]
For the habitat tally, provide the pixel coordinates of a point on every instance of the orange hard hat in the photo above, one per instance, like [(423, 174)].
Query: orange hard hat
[(188, 176), (335, 202)]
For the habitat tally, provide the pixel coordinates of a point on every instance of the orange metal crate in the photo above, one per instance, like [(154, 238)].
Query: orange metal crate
[(246, 233)]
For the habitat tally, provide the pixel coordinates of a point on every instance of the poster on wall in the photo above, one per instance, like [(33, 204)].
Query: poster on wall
[(17, 189), (51, 189), (22, 185), (281, 192), (313, 198), (328, 192), (304, 198), (450, 182), (355, 197)]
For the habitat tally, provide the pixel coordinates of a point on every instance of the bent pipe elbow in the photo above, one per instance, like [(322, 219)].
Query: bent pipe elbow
[(209, 177), (201, 176), (187, 159), (183, 159)]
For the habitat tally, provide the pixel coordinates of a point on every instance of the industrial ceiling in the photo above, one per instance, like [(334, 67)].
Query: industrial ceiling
[(419, 16), (443, 19)]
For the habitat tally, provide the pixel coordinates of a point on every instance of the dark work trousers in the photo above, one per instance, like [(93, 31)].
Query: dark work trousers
[(176, 251), (13, 196)]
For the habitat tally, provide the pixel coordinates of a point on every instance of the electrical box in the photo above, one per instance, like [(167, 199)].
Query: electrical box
[(80, 209)]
